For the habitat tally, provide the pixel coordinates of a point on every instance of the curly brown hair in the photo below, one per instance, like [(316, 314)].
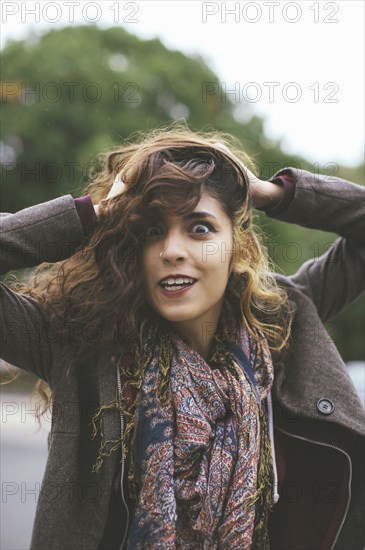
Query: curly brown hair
[(99, 289)]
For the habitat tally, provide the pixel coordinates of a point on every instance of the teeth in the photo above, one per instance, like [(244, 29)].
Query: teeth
[(176, 287), (177, 281)]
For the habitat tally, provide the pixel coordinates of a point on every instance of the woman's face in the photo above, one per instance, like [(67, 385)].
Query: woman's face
[(199, 247)]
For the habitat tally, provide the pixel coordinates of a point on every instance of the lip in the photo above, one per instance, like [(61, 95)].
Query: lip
[(172, 293), (175, 276)]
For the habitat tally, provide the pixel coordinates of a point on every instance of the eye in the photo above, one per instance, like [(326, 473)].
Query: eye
[(147, 234), (151, 228), (205, 224)]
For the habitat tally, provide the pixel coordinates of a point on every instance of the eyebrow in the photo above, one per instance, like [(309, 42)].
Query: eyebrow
[(193, 215), (202, 214)]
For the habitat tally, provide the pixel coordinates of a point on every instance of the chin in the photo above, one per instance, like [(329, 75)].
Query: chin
[(177, 317)]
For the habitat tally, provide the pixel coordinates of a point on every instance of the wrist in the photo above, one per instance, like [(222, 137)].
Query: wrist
[(268, 194), (86, 212), (275, 193)]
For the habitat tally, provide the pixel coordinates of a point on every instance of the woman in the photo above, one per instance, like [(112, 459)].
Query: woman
[(198, 401)]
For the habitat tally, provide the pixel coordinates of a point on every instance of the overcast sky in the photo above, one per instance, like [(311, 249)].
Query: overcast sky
[(299, 64)]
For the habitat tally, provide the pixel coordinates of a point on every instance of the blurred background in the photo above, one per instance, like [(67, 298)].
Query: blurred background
[(286, 78)]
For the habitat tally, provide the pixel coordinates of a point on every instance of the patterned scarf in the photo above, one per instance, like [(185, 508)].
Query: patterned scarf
[(200, 464)]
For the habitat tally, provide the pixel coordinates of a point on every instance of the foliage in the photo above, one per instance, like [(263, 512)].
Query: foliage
[(74, 92)]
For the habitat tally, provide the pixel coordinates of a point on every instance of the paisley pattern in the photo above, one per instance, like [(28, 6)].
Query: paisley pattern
[(197, 457)]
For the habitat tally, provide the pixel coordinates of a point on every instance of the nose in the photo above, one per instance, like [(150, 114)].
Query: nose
[(173, 247)]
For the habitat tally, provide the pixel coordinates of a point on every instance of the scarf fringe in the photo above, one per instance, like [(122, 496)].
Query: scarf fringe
[(263, 497), (97, 425)]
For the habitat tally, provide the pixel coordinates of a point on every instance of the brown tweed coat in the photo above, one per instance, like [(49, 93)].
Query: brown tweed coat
[(318, 418)]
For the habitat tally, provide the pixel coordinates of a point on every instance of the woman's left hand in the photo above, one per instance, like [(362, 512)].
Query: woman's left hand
[(264, 193)]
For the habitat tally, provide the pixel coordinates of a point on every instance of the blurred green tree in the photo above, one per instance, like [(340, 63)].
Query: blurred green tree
[(71, 93)]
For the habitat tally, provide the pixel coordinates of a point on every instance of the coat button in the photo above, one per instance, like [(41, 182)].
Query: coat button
[(325, 406)]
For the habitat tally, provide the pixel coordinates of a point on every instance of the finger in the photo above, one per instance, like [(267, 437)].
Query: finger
[(117, 187), (221, 146), (118, 183), (250, 175)]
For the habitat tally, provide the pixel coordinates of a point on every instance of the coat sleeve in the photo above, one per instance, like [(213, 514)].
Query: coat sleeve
[(47, 232), (328, 203)]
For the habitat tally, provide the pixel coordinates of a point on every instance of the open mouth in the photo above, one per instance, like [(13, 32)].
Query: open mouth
[(172, 289)]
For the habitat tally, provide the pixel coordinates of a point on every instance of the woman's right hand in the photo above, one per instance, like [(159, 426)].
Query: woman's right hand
[(116, 189)]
